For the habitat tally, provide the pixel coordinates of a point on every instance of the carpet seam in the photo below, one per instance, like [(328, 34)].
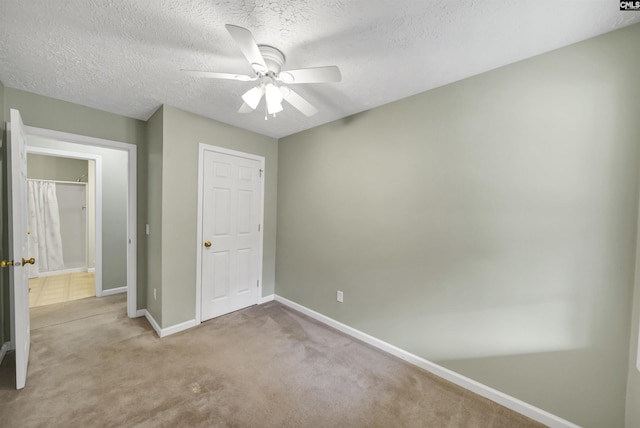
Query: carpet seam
[(76, 319)]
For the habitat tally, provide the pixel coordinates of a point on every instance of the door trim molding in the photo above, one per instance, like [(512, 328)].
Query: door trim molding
[(132, 216), (202, 148), (98, 195)]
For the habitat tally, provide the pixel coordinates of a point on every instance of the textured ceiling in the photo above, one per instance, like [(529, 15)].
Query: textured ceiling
[(125, 56)]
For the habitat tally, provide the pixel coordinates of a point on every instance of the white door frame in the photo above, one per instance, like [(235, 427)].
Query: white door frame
[(132, 247), (98, 195), (199, 242)]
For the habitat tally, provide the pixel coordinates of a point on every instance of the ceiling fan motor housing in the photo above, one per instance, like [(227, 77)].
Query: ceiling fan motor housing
[(273, 58)]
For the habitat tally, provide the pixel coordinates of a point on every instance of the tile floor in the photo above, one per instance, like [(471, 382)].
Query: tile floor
[(61, 288)]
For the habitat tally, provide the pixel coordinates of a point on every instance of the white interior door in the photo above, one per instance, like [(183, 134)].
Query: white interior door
[(18, 246), (231, 239)]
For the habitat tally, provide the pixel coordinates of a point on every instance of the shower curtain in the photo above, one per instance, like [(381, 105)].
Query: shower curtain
[(45, 241)]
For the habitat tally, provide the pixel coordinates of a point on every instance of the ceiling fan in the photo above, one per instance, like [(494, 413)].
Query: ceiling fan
[(267, 63)]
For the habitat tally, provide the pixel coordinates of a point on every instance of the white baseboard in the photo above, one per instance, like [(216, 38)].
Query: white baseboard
[(266, 299), (485, 391), (152, 321), (61, 272), (164, 332), (178, 328), (3, 350), (112, 291)]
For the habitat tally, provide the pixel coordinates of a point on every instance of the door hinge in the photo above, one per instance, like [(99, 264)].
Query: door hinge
[(261, 173), (258, 228), (258, 283)]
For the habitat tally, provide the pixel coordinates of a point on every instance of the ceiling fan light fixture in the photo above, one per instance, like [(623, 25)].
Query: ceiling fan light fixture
[(267, 62), (253, 96), (273, 108), (274, 98)]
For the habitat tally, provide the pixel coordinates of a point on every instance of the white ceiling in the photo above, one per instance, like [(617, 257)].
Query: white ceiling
[(125, 56)]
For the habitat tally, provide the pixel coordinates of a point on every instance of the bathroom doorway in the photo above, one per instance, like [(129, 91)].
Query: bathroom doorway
[(62, 226), (115, 205)]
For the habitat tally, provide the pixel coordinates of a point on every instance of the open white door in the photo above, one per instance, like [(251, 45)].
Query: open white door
[(18, 245)]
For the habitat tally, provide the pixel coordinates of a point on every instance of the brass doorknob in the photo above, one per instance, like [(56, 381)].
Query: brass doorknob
[(30, 261), (207, 244), (6, 263)]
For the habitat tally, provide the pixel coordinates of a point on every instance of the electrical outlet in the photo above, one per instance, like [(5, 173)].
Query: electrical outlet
[(340, 296), (155, 297)]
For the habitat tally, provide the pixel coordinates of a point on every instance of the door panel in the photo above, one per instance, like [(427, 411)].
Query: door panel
[(230, 221), (220, 283), (244, 268), (221, 202), (18, 246)]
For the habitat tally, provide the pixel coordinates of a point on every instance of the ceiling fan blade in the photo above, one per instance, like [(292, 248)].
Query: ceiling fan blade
[(326, 74), (248, 46), (215, 75), (245, 108), (298, 102)]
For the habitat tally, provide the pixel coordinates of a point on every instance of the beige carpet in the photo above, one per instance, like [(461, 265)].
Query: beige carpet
[(267, 366)]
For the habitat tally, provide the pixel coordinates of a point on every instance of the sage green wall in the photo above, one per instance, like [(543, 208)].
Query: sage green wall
[(50, 113), (488, 225), (633, 384), (5, 334), (155, 131), (114, 206), (43, 167), (182, 133)]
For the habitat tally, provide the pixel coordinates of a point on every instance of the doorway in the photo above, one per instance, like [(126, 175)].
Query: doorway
[(115, 199), (230, 216), (19, 230), (62, 188)]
